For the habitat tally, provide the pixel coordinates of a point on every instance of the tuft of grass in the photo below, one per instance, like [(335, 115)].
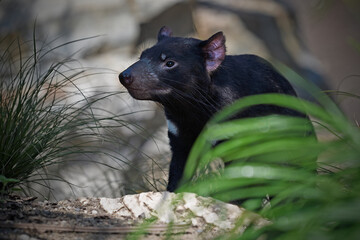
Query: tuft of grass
[(45, 118), (272, 167), (37, 120)]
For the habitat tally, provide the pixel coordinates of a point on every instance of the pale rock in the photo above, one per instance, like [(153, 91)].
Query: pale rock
[(132, 203), (111, 205), (184, 208)]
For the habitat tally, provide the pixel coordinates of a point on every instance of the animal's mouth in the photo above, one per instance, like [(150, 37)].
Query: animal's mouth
[(148, 93), (162, 91)]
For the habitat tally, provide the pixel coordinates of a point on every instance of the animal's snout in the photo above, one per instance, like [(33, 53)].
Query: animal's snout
[(126, 78), (140, 81)]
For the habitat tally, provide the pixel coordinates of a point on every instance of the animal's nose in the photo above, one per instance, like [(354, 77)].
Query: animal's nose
[(125, 78)]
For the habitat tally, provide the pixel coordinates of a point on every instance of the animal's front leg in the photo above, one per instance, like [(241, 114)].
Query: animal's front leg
[(176, 171), (181, 136)]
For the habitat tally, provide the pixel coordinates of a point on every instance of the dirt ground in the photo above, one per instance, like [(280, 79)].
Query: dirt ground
[(28, 219)]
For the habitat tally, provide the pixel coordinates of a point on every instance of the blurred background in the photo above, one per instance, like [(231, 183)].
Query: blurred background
[(319, 39)]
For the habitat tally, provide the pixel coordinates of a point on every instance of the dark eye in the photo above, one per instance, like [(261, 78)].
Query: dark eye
[(170, 64)]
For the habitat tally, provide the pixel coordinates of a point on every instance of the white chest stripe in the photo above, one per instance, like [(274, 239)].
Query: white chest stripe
[(172, 127)]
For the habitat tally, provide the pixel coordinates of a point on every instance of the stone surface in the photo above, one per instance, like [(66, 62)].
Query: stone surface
[(179, 216), (186, 208)]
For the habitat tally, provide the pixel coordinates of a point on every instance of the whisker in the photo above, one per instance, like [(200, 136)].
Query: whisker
[(197, 95)]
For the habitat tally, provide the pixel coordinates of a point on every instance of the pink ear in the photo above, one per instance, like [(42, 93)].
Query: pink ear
[(164, 32), (214, 50)]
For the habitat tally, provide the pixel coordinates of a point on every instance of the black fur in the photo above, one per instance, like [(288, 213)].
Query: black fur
[(193, 79)]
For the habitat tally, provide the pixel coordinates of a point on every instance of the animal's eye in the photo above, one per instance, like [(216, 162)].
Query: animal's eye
[(170, 64)]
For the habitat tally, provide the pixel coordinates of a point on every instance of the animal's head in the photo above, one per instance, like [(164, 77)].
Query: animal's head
[(174, 66)]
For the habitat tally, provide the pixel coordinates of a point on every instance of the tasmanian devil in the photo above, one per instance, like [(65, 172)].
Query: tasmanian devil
[(193, 79)]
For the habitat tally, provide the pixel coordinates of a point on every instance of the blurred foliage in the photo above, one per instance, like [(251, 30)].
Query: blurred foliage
[(271, 167)]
